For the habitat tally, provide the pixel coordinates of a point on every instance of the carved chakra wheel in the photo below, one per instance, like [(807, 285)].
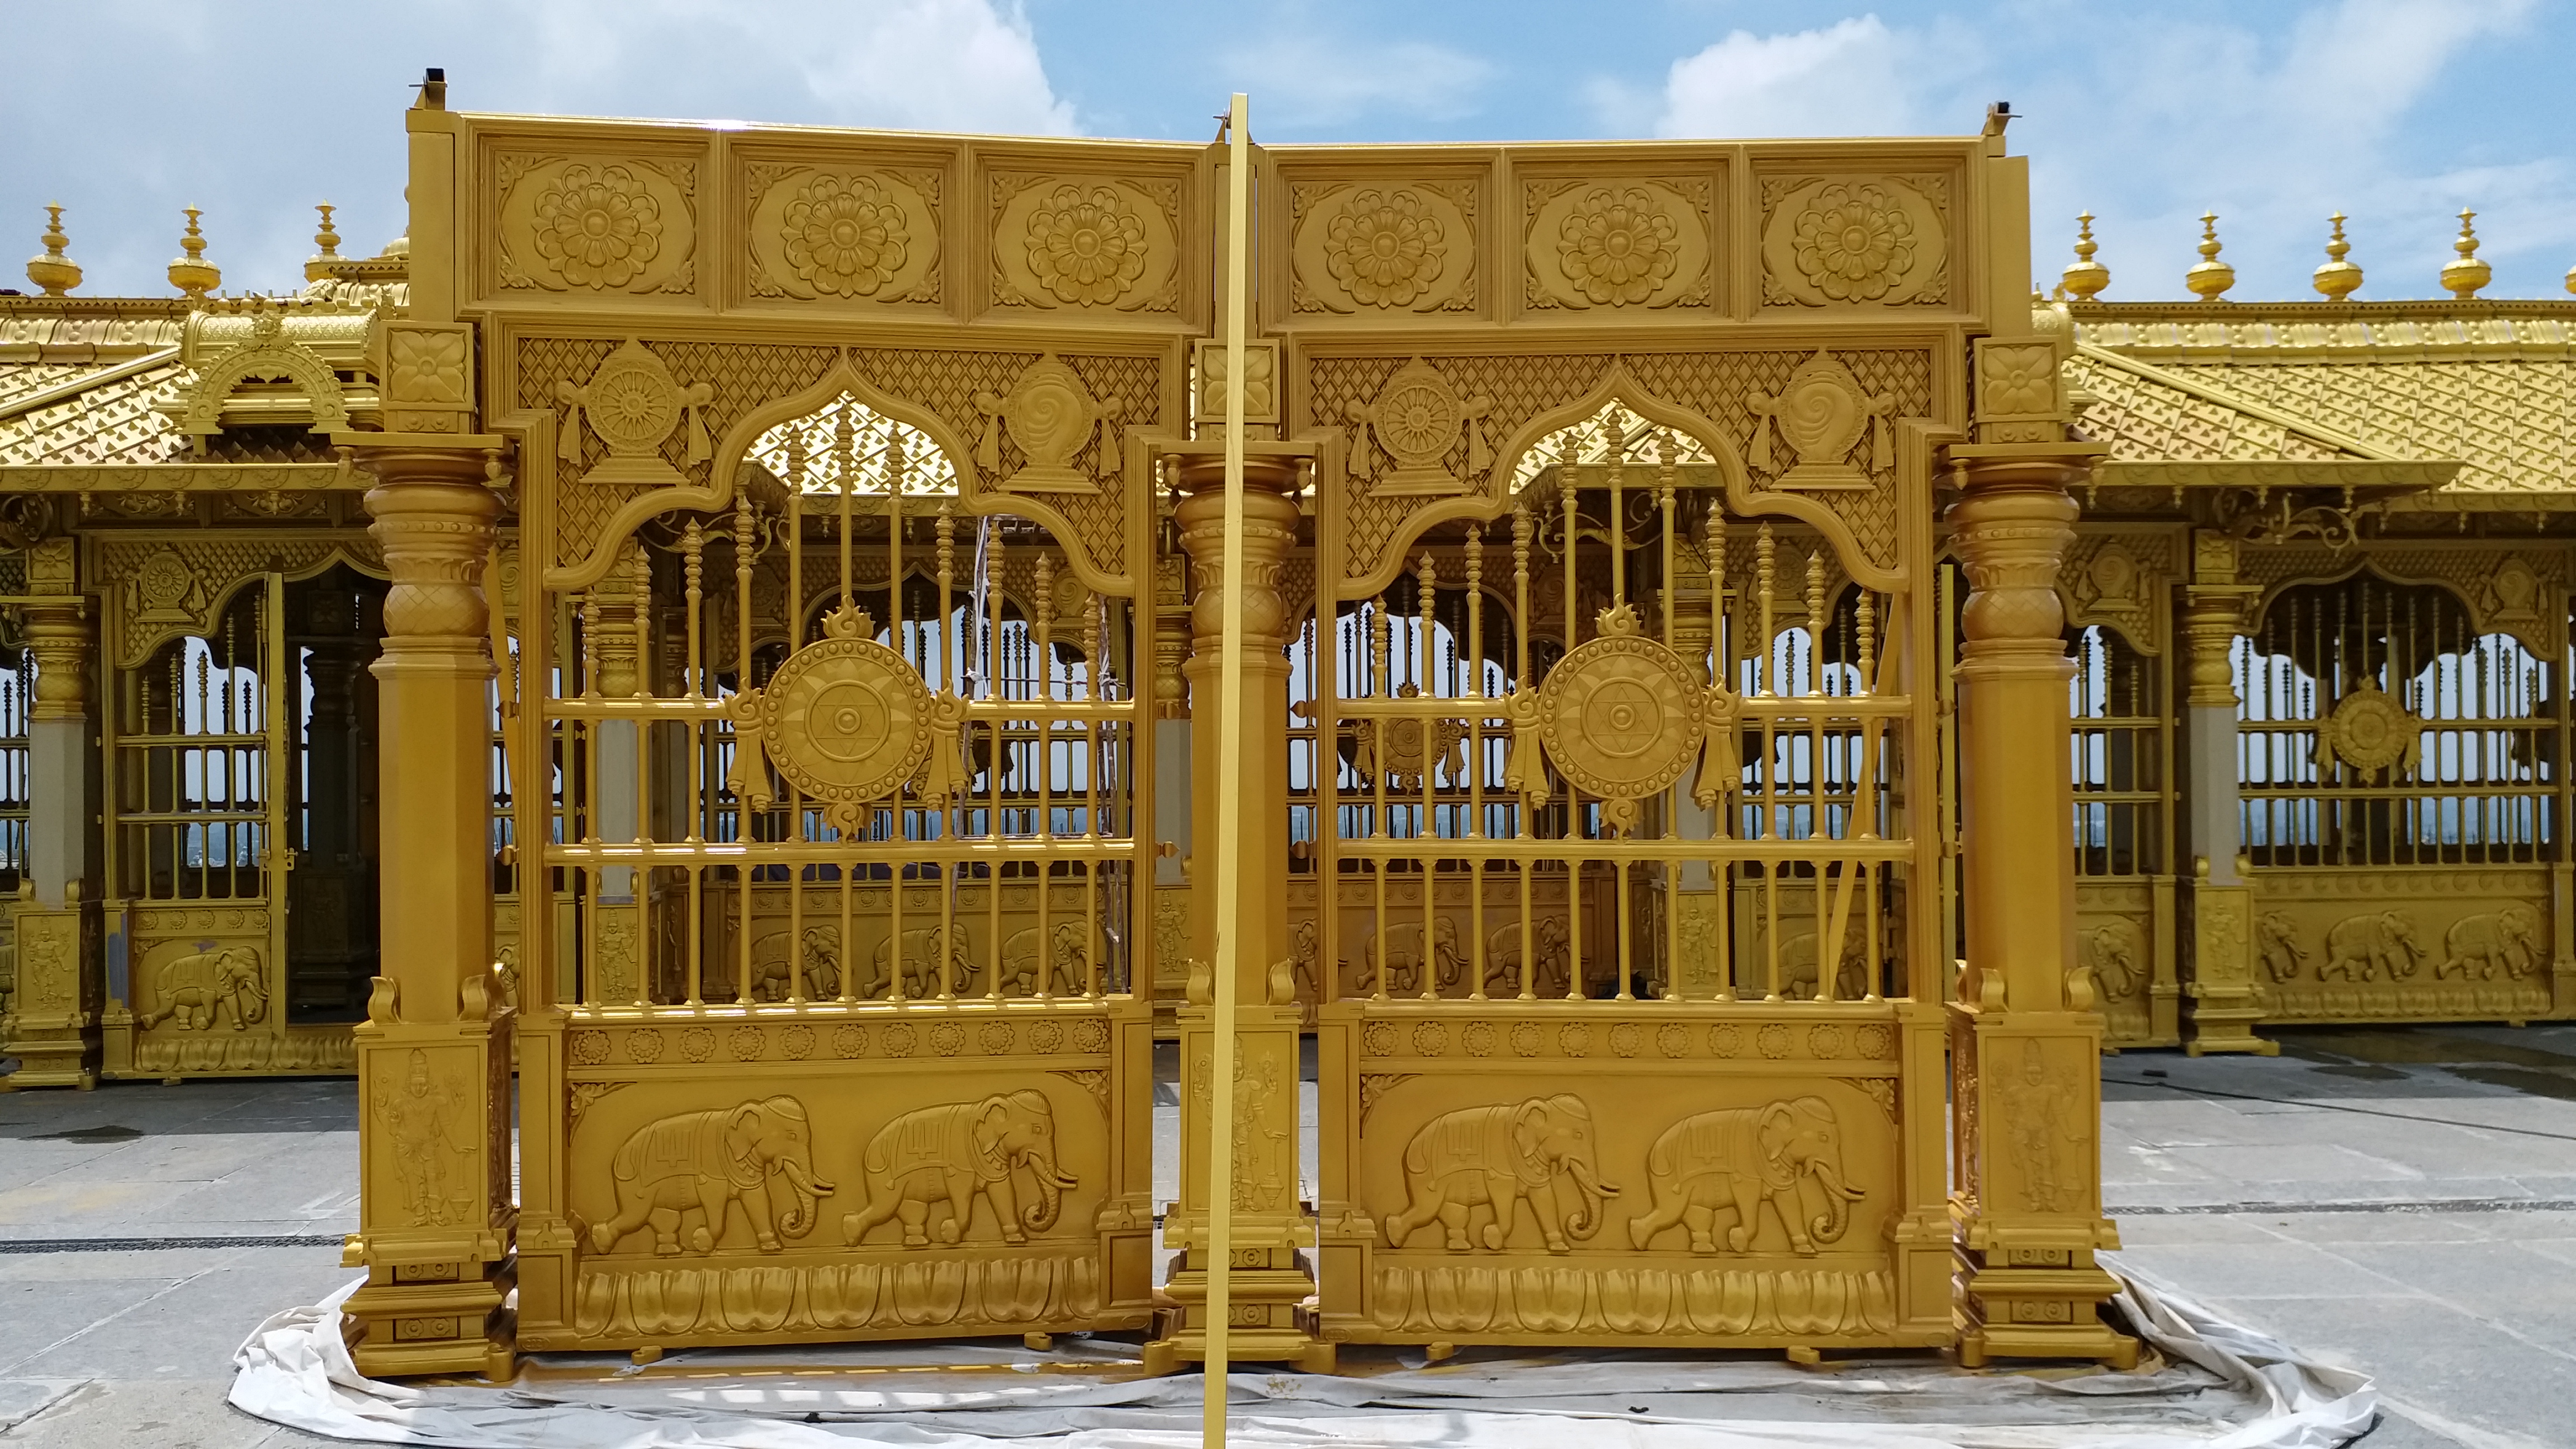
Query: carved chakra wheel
[(1620, 717), (2370, 731), (848, 721)]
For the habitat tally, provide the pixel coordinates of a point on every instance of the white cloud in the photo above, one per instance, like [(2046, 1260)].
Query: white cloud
[(1847, 79), (1313, 80), (258, 112)]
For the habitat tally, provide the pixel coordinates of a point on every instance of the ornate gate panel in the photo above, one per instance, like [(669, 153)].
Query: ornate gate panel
[(228, 726), (1605, 1096)]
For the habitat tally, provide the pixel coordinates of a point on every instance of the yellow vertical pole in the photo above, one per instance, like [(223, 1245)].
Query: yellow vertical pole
[(1229, 884)]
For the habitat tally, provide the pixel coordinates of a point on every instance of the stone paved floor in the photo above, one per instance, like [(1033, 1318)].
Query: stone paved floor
[(2404, 1200)]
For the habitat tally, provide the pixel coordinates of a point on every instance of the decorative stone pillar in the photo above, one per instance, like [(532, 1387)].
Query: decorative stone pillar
[(619, 613), (1698, 905), (1172, 796), (436, 1221), (1270, 1277), (54, 1025), (2025, 1045), (2219, 1005)]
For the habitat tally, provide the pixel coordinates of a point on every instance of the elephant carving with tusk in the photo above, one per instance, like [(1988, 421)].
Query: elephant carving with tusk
[(961, 1153), (686, 1171), (1481, 1161), (1740, 1160)]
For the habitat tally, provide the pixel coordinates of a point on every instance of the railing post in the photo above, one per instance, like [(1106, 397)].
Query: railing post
[(54, 1024), (436, 1218), (2025, 1044), (2220, 1010)]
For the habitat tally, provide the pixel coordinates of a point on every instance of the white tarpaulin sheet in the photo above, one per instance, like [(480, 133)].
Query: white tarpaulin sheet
[(2218, 1386)]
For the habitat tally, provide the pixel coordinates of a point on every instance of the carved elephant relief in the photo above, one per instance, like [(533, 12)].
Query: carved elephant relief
[(957, 1155), (1729, 1166), (1551, 972), (1401, 947), (2115, 951), (684, 1174), (774, 964), (2507, 940), (2276, 944), (1062, 964), (1470, 1169), (2370, 945), (197, 990), (918, 951)]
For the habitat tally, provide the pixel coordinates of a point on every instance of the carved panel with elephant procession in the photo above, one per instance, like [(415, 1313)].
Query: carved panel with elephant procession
[(2410, 945), (1673, 1174), (859, 1174)]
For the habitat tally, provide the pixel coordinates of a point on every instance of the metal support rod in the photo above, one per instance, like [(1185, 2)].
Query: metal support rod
[(1230, 696)]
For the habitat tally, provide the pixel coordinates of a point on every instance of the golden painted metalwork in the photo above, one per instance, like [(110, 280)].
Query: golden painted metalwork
[(2319, 600), (865, 629)]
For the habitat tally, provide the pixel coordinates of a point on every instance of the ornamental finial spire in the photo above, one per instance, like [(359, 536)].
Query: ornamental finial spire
[(2463, 277), (2338, 278), (320, 264), (192, 273), (2085, 277), (54, 272), (2211, 278)]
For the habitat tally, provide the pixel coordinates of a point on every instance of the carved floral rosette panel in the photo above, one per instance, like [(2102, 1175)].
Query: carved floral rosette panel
[(1857, 240), (1718, 1178), (896, 1172), (594, 223)]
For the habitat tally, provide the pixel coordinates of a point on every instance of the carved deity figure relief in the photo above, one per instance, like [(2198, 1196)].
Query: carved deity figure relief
[(848, 721), (1265, 1149), (2042, 1128), (429, 1119), (2370, 732), (683, 1176), (633, 403), (1785, 1157), (1470, 1170), (212, 984), (958, 1156), (2371, 945), (1621, 718), (1415, 420), (2507, 940), (1050, 417), (1821, 413)]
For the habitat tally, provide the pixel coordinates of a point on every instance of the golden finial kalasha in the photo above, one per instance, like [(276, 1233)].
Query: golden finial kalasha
[(2210, 279), (2084, 277), (191, 273), (2464, 276), (319, 265), (54, 272), (2337, 278)]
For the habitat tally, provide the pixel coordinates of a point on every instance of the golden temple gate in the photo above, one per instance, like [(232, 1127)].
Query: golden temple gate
[(797, 558)]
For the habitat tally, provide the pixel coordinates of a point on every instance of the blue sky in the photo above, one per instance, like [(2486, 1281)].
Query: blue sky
[(2271, 112)]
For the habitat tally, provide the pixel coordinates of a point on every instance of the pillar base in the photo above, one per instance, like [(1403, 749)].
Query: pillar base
[(2037, 1312), (1269, 1298), (2219, 1007)]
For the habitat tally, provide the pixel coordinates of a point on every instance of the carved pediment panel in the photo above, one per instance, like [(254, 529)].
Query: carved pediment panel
[(1856, 241), (594, 224), (1083, 242), (1372, 246), (1618, 244), (844, 234)]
